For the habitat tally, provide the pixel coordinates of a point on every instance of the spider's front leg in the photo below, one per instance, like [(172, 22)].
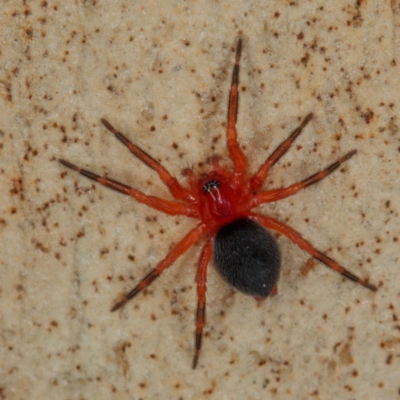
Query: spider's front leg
[(282, 193), (237, 155), (178, 191), (258, 178), (166, 206)]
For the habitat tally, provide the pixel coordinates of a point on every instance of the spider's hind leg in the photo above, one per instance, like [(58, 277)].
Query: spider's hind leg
[(201, 297), (295, 237), (188, 241)]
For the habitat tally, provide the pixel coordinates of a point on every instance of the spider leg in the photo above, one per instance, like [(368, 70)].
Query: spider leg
[(259, 177), (237, 155), (278, 194), (191, 238), (166, 206), (201, 296), (219, 168), (295, 237), (191, 177), (178, 191)]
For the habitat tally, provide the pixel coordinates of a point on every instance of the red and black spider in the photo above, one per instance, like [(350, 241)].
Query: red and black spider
[(245, 253)]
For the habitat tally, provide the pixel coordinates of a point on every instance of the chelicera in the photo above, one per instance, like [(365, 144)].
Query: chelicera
[(245, 253)]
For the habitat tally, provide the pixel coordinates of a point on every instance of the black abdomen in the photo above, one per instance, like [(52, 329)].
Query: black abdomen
[(248, 257)]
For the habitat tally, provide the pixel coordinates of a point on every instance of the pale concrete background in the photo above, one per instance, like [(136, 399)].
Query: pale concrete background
[(160, 72)]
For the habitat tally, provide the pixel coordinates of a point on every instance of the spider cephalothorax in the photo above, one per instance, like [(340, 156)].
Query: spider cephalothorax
[(245, 252)]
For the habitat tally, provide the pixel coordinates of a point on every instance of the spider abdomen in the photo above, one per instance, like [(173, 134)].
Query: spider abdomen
[(247, 256)]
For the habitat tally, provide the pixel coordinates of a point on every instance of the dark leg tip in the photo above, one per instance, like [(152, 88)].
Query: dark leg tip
[(371, 287), (68, 164), (238, 48), (350, 154), (195, 361), (118, 305), (307, 119), (107, 125)]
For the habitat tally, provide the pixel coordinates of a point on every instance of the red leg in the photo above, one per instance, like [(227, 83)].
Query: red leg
[(237, 155), (295, 237), (189, 240), (258, 179), (219, 169), (179, 192), (278, 194), (201, 296), (192, 180), (166, 206)]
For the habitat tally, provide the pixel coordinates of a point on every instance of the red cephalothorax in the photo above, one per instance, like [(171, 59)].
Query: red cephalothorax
[(245, 253), (220, 201)]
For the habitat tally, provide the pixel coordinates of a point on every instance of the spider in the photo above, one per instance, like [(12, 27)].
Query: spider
[(245, 253)]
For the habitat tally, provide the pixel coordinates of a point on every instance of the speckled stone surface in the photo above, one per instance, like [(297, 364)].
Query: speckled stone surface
[(160, 72)]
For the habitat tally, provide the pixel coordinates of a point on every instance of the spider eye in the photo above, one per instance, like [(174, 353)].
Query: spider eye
[(210, 186)]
